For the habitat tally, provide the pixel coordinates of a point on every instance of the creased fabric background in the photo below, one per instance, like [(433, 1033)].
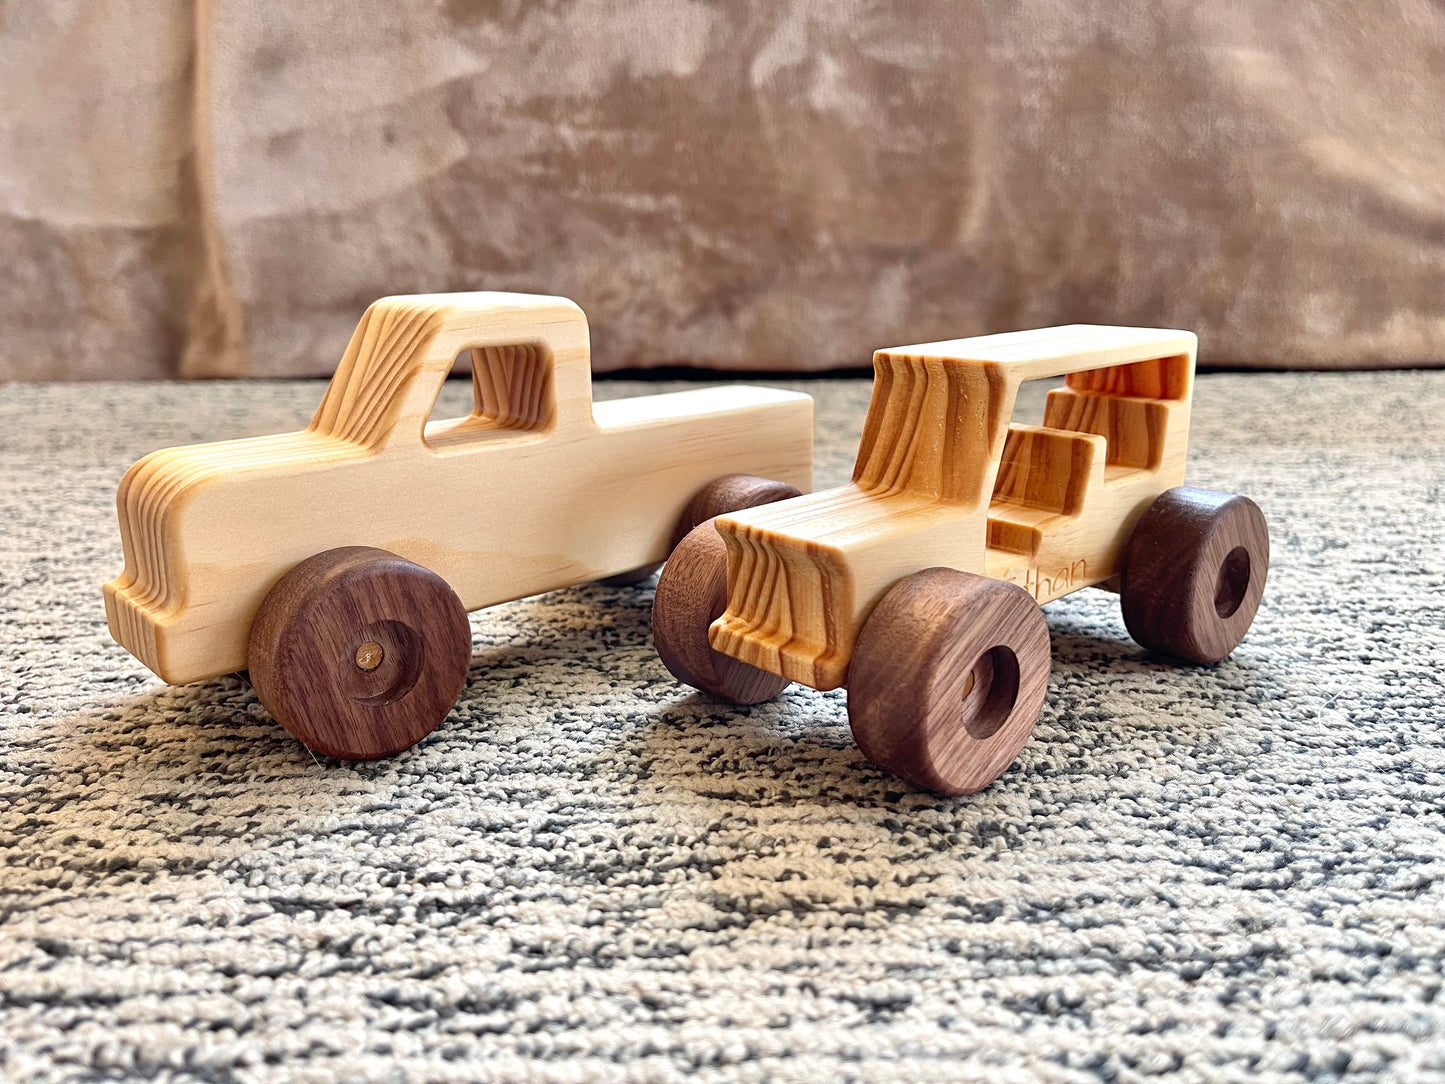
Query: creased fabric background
[(220, 188)]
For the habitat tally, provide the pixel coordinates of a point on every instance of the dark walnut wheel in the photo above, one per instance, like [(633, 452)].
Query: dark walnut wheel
[(359, 653), (948, 678), (730, 493), (1193, 573), (691, 595)]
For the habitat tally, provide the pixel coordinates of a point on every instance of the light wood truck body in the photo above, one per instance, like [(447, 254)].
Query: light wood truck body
[(943, 479), (539, 488)]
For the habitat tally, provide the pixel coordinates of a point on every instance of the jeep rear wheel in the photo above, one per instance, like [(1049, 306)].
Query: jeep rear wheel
[(358, 653), (1193, 573)]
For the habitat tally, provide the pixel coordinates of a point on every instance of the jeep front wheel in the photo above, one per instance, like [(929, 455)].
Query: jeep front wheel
[(692, 593), (948, 678)]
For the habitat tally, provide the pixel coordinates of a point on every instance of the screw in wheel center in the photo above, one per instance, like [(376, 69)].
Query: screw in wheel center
[(369, 655)]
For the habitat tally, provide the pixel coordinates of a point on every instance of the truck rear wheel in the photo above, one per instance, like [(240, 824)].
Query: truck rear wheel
[(358, 653), (691, 594), (948, 678), (729, 493), (1193, 573)]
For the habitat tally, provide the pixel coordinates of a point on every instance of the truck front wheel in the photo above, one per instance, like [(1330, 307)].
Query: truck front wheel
[(359, 653)]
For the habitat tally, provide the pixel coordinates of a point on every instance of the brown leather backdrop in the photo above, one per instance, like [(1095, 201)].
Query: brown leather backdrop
[(220, 188)]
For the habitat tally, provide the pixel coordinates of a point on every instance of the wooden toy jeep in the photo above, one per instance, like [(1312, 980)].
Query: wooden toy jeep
[(919, 585), (338, 563)]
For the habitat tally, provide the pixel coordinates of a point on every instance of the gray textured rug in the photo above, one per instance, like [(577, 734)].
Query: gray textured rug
[(588, 874)]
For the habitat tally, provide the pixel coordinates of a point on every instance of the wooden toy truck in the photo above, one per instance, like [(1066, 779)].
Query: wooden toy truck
[(919, 585), (338, 563)]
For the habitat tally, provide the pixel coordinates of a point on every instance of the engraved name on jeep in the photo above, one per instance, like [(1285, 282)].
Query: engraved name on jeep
[(1060, 581)]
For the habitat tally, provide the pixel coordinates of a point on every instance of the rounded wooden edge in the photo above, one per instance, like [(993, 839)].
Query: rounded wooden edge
[(304, 643), (1194, 572), (730, 493), (691, 595), (948, 678)]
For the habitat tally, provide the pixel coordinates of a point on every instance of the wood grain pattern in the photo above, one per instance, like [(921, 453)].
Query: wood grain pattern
[(925, 420), (511, 389), (1047, 468), (948, 678), (359, 653), (1194, 573), (942, 479), (1134, 429), (537, 489), (691, 594)]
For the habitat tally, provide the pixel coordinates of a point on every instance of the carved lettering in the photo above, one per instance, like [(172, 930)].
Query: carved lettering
[(1056, 582)]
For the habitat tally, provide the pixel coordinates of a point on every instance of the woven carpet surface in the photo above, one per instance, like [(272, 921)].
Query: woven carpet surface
[(589, 874)]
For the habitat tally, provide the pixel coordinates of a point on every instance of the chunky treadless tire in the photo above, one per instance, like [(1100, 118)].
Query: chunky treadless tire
[(948, 678), (359, 653), (692, 594), (1193, 573)]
